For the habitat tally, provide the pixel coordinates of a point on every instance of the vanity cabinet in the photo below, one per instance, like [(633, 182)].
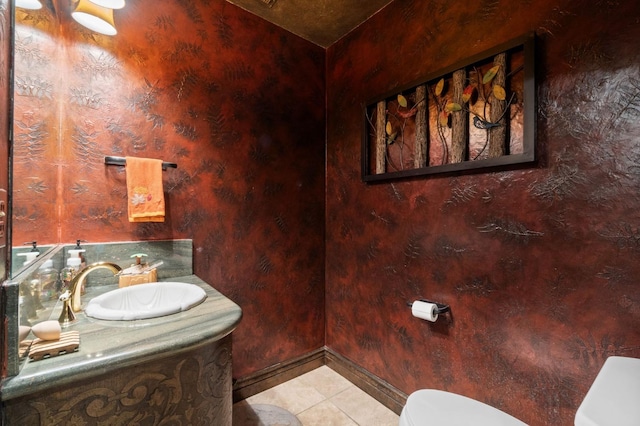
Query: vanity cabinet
[(191, 388), (174, 369)]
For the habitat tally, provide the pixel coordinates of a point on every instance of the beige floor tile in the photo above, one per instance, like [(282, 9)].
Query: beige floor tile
[(322, 397), (261, 414), (325, 414), (363, 409), (326, 381), (294, 396)]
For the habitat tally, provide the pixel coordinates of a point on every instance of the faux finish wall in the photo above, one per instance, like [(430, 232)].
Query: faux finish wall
[(236, 102), (540, 265)]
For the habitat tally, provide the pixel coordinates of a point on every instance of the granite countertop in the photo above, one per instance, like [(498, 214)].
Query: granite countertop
[(109, 345)]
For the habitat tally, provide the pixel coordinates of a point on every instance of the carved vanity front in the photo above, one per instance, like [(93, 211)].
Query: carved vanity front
[(174, 369)]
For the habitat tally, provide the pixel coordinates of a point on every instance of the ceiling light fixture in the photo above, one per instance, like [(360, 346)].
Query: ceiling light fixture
[(29, 4), (96, 18), (111, 4)]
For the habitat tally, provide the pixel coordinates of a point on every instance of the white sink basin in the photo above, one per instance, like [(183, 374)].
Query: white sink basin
[(144, 301)]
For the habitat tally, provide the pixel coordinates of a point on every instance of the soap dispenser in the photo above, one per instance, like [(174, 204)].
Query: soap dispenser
[(78, 251), (29, 256)]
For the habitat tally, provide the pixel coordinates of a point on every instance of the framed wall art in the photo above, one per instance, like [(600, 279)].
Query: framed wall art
[(473, 115)]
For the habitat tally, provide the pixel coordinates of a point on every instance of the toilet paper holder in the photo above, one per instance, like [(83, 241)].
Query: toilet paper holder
[(441, 308)]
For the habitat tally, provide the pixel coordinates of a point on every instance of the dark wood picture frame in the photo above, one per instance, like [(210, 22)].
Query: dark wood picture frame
[(477, 114)]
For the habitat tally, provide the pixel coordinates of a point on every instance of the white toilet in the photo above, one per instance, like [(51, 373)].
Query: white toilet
[(612, 400)]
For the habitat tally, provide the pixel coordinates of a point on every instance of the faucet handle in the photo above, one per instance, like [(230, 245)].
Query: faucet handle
[(66, 316)]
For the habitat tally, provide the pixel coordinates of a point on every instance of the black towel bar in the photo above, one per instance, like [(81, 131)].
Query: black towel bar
[(121, 161)]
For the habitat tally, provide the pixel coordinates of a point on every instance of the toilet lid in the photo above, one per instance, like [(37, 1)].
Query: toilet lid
[(614, 397), (433, 407)]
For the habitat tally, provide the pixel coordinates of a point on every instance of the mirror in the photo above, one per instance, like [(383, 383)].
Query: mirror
[(34, 172), (46, 168), (38, 286), (22, 256), (34, 139), (5, 170), (80, 96)]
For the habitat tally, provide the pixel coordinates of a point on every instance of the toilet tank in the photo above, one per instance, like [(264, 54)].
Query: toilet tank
[(614, 396)]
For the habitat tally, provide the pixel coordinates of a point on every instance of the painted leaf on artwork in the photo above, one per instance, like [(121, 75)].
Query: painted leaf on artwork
[(402, 101), (392, 138), (439, 87), (490, 74), (468, 93), (499, 92), (453, 107), (389, 128)]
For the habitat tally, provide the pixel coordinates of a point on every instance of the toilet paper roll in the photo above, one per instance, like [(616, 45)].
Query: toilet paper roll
[(424, 310)]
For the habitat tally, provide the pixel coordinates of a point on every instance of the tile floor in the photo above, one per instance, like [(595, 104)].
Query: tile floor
[(320, 397)]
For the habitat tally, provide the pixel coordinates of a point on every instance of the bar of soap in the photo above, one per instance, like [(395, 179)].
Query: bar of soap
[(23, 332), (47, 330)]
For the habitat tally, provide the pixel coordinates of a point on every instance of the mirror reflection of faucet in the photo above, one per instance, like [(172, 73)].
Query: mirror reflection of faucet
[(71, 296), (28, 308)]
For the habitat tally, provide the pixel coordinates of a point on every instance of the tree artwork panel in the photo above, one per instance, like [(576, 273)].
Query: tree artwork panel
[(473, 115)]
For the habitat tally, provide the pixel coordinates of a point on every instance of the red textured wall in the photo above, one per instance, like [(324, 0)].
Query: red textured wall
[(236, 102), (540, 264), (537, 264)]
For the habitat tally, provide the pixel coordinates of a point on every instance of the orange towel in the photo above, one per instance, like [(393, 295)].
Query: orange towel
[(144, 190)]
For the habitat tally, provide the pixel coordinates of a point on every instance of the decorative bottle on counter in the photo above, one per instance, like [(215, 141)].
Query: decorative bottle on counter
[(49, 278)]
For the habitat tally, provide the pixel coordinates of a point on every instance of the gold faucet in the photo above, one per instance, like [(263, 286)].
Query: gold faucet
[(71, 300)]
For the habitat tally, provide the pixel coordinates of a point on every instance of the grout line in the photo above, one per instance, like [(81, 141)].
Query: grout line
[(327, 398)]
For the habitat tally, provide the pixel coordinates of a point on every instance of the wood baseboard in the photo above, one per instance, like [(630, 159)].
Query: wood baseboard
[(386, 394), (383, 392), (269, 377)]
